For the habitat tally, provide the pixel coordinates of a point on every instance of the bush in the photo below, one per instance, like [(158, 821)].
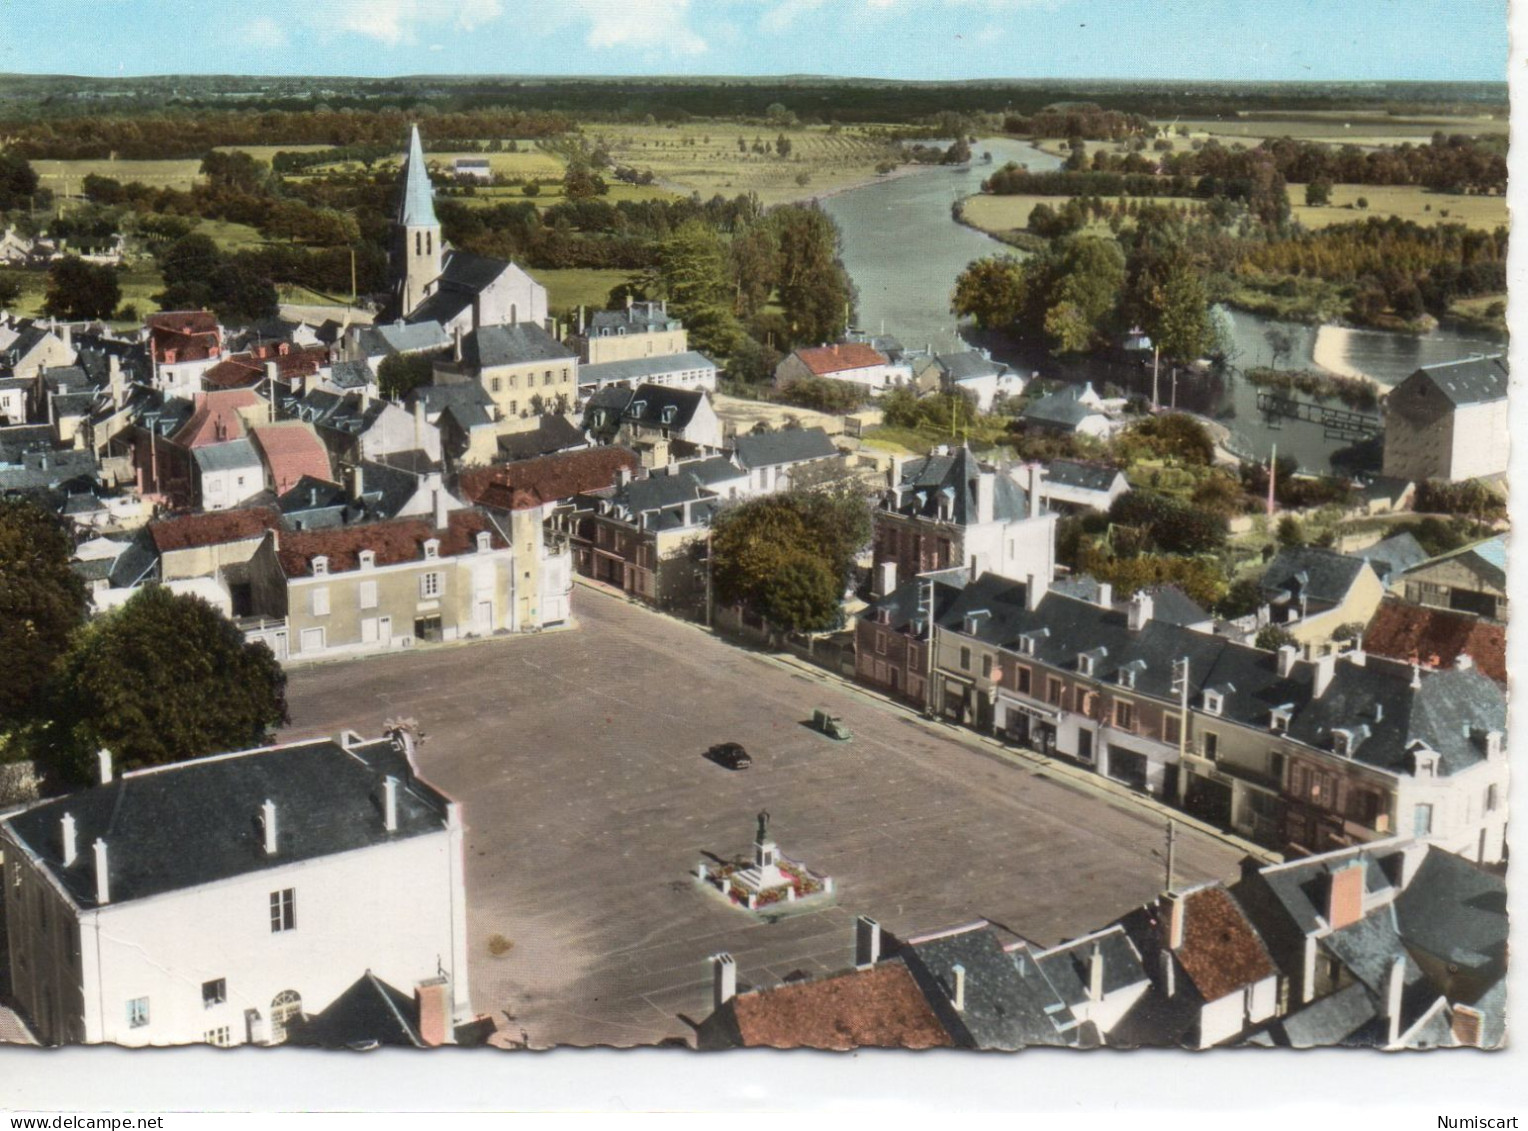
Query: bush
[(823, 395), (1272, 637)]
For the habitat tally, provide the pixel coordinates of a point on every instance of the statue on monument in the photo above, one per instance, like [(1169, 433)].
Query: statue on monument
[(763, 825)]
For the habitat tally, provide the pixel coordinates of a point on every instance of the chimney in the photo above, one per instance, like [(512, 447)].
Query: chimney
[(419, 423), (390, 803), (1096, 973), (1105, 595), (628, 300), (1142, 609), (272, 371), (580, 320), (1467, 1024), (1288, 654), (66, 335), (867, 942), (456, 343), (1326, 668), (885, 578), (1033, 489), (1176, 912), (1395, 990), (357, 483), (102, 873), (432, 998), (724, 969), (71, 841), (622, 475), (1463, 662), (1031, 592), (114, 380), (1345, 894), (1169, 973), (268, 825), (958, 998), (103, 765), (440, 508), (985, 486)]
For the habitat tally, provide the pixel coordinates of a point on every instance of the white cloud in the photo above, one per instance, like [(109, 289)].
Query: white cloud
[(262, 31), (780, 16), (399, 22), (656, 28)]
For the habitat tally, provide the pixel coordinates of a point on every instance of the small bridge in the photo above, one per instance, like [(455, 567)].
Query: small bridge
[(1336, 423)]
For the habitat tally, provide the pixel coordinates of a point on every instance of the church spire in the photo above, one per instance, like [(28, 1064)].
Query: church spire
[(417, 209)]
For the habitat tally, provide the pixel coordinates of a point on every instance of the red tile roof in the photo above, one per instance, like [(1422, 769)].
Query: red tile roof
[(190, 335), (822, 360), (877, 1008), (237, 372), (393, 542), (292, 449), (216, 418), (533, 482), (212, 529), (248, 368), (1222, 951), (1437, 637)]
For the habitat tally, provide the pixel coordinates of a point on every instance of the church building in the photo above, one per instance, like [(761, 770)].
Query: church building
[(457, 289)]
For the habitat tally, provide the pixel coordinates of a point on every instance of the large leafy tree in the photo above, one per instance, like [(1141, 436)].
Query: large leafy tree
[(787, 557), (694, 272), (1181, 309), (814, 288), (162, 679), (42, 601), (77, 289), (18, 182), (399, 373), (991, 291)]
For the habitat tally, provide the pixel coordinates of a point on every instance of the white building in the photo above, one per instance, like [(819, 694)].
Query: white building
[(217, 900), (227, 474), (1449, 421), (855, 362), (687, 370)]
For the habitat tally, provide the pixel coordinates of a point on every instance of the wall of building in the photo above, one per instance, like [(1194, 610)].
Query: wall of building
[(1481, 444), (43, 938), (1463, 819), (514, 387), (205, 561), (601, 348)]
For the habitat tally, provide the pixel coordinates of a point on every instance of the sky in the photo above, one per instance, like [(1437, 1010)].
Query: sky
[(1255, 40)]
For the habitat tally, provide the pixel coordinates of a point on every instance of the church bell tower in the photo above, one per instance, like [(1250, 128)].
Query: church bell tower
[(417, 232)]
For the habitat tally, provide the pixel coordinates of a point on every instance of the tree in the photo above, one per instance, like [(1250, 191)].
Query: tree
[(400, 373), (991, 291), (754, 255), (164, 678), (1181, 326), (1272, 637), (1290, 532), (42, 601), (582, 183), (10, 291), (694, 272), (190, 259), (18, 182), (814, 289), (1318, 193), (1242, 599), (80, 290), (783, 146), (238, 293)]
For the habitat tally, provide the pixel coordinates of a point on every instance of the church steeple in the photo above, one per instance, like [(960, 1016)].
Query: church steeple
[(417, 231)]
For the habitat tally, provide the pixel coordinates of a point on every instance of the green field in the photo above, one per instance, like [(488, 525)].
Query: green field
[(703, 157), (65, 177), (1409, 202), (572, 287)]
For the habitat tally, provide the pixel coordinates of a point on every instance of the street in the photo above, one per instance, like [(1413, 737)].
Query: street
[(578, 758)]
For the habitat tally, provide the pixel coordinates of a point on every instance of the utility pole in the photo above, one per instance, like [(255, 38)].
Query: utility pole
[(1175, 388), (1172, 842), (1156, 362), (353, 294), (1180, 688), (1273, 473), (708, 577)]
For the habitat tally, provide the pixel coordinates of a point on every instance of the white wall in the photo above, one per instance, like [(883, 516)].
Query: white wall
[(1480, 440)]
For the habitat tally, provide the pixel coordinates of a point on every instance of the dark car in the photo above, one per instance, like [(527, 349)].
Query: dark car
[(731, 755)]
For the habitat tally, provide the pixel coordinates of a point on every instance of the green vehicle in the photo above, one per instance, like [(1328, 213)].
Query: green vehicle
[(830, 725)]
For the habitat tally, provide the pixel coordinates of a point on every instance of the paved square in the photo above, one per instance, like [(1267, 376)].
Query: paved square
[(578, 757)]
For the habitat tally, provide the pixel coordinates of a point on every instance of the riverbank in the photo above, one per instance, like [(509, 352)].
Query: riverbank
[(1333, 346)]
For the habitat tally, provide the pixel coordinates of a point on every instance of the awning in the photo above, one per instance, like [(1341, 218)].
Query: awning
[(1049, 715)]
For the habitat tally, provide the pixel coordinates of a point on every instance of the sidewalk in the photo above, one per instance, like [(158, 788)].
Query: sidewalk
[(1106, 790)]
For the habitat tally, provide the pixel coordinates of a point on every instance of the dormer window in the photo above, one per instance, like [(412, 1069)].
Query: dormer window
[(484, 541), (1128, 673), (973, 621), (1087, 662), (1278, 719), (1343, 742), (669, 412), (320, 566), (1214, 702), (368, 559), (431, 549)]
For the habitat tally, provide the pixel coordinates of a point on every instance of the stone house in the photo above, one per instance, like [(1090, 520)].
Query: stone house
[(1312, 591), (654, 420), (641, 330), (1072, 411), (855, 362), (183, 345), (780, 461), (1472, 580), (891, 637), (218, 900), (1071, 485), (1449, 421), (523, 369)]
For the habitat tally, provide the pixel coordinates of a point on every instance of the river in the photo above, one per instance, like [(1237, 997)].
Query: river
[(904, 250)]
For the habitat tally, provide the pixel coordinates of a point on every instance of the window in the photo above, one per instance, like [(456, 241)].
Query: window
[(1491, 798), (1124, 715), (320, 565), (283, 910), (284, 1007), (431, 549), (1278, 721), (368, 559), (429, 585), (321, 601), (214, 992), (368, 594), (1172, 729), (1421, 821), (1053, 692), (547, 380), (1023, 678), (965, 659), (1276, 766), (1211, 745), (218, 1036), (1212, 702), (880, 643), (986, 667), (137, 1013), (496, 384)]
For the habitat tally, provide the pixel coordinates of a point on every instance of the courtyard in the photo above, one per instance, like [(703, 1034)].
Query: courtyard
[(578, 757)]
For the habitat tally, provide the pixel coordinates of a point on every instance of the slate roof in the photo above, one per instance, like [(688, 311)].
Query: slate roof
[(1470, 381), (650, 403), (515, 344), (437, 398), (550, 479), (466, 271), (969, 365), (790, 445), (20, 438), (401, 337), (1060, 409), (714, 471), (1394, 555), (657, 502), (41, 470), (352, 374), (1173, 606), (393, 542), (842, 357), (1009, 1003), (1488, 559), (368, 1013), (552, 434), (416, 205), (1319, 574), (880, 1007), (1456, 911), (1437, 637), (1300, 887), (440, 307), (214, 528), (1067, 966), (904, 605), (1340, 1018), (1085, 476), (640, 369), (229, 456), (639, 318), (935, 482), (191, 823), (348, 413)]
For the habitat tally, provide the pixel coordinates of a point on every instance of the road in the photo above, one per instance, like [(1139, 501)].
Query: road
[(577, 756)]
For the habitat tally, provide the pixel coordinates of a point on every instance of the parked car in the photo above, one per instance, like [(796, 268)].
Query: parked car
[(730, 754), (830, 725)]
